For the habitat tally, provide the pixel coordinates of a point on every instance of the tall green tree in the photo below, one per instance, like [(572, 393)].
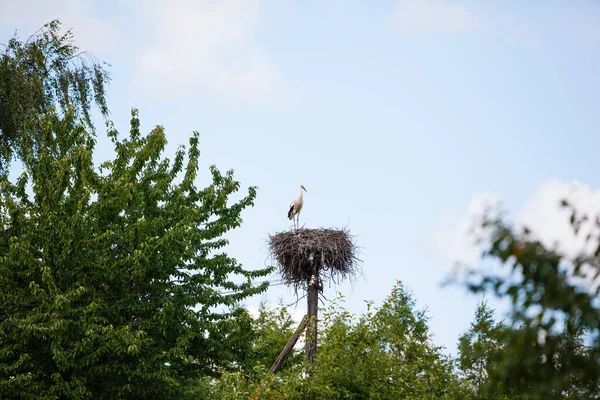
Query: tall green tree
[(46, 70), (480, 349), (109, 275)]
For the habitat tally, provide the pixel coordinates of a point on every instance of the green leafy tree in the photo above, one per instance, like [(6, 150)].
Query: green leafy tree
[(45, 71), (481, 348), (385, 353), (109, 275), (550, 311)]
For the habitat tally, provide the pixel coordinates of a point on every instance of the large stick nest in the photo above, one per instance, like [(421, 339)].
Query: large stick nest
[(329, 253)]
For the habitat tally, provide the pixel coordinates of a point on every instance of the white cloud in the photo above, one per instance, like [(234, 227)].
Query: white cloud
[(541, 213), (455, 238), (180, 49), (434, 15), (92, 32), (204, 47)]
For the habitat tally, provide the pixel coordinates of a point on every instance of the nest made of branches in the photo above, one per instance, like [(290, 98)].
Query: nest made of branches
[(330, 253)]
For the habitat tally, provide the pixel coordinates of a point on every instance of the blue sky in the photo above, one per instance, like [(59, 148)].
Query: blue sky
[(399, 117)]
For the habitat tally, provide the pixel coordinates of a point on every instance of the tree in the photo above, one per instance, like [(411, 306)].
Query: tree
[(109, 275), (550, 311), (480, 350), (45, 71), (385, 353)]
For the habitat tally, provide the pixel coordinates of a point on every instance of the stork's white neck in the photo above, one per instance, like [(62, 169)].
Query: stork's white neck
[(300, 195)]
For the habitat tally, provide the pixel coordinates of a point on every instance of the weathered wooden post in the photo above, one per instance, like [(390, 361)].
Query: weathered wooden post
[(289, 346), (312, 295), (307, 257)]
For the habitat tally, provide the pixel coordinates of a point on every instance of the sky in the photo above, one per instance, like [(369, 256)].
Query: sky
[(402, 118)]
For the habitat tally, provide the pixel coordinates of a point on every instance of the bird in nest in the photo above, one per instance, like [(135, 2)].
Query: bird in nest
[(296, 207)]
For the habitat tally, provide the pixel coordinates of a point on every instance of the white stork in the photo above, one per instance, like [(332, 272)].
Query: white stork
[(296, 207)]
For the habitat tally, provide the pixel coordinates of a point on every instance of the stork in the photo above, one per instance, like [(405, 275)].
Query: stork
[(296, 207)]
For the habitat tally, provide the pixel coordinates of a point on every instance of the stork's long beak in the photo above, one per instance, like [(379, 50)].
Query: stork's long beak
[(304, 188)]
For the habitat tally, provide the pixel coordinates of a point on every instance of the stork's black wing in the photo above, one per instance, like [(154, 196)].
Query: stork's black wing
[(290, 211)]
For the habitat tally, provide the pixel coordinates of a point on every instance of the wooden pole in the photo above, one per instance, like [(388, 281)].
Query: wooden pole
[(288, 347), (313, 314)]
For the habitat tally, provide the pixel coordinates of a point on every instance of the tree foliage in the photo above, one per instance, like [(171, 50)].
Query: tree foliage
[(272, 329), (479, 349), (385, 353), (45, 71), (108, 275), (551, 311)]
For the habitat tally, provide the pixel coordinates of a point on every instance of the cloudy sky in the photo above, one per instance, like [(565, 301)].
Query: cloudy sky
[(400, 117)]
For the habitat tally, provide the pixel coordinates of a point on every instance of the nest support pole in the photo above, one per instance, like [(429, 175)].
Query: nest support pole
[(288, 347), (313, 315), (306, 257)]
